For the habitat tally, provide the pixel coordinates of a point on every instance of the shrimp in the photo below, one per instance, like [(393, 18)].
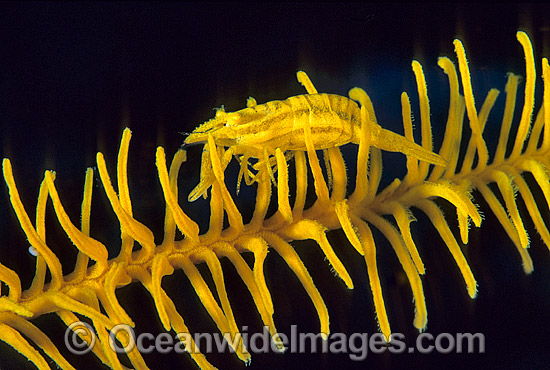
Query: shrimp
[(327, 120)]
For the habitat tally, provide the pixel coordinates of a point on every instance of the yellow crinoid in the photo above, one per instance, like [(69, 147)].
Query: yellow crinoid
[(88, 293)]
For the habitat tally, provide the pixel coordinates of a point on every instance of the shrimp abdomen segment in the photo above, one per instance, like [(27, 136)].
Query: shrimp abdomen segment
[(330, 118)]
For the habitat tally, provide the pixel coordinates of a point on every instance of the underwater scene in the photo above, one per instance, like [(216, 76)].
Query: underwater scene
[(340, 200)]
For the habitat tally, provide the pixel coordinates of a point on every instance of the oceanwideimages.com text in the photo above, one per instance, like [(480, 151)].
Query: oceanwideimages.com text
[(357, 345)]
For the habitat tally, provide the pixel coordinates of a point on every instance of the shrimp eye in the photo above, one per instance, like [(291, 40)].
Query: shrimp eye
[(233, 119), (219, 111)]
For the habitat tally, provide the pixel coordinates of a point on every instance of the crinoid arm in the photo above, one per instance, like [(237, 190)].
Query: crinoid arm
[(390, 141)]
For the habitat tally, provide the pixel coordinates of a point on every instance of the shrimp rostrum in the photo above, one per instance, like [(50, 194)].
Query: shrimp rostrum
[(306, 122)]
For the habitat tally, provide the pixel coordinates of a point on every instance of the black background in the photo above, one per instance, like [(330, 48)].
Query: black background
[(72, 75)]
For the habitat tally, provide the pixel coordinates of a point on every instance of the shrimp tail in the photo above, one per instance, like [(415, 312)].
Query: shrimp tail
[(392, 142)]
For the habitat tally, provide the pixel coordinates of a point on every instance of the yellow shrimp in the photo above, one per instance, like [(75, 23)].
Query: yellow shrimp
[(326, 120)]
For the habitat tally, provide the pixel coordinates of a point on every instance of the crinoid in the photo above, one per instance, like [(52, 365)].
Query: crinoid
[(89, 293)]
